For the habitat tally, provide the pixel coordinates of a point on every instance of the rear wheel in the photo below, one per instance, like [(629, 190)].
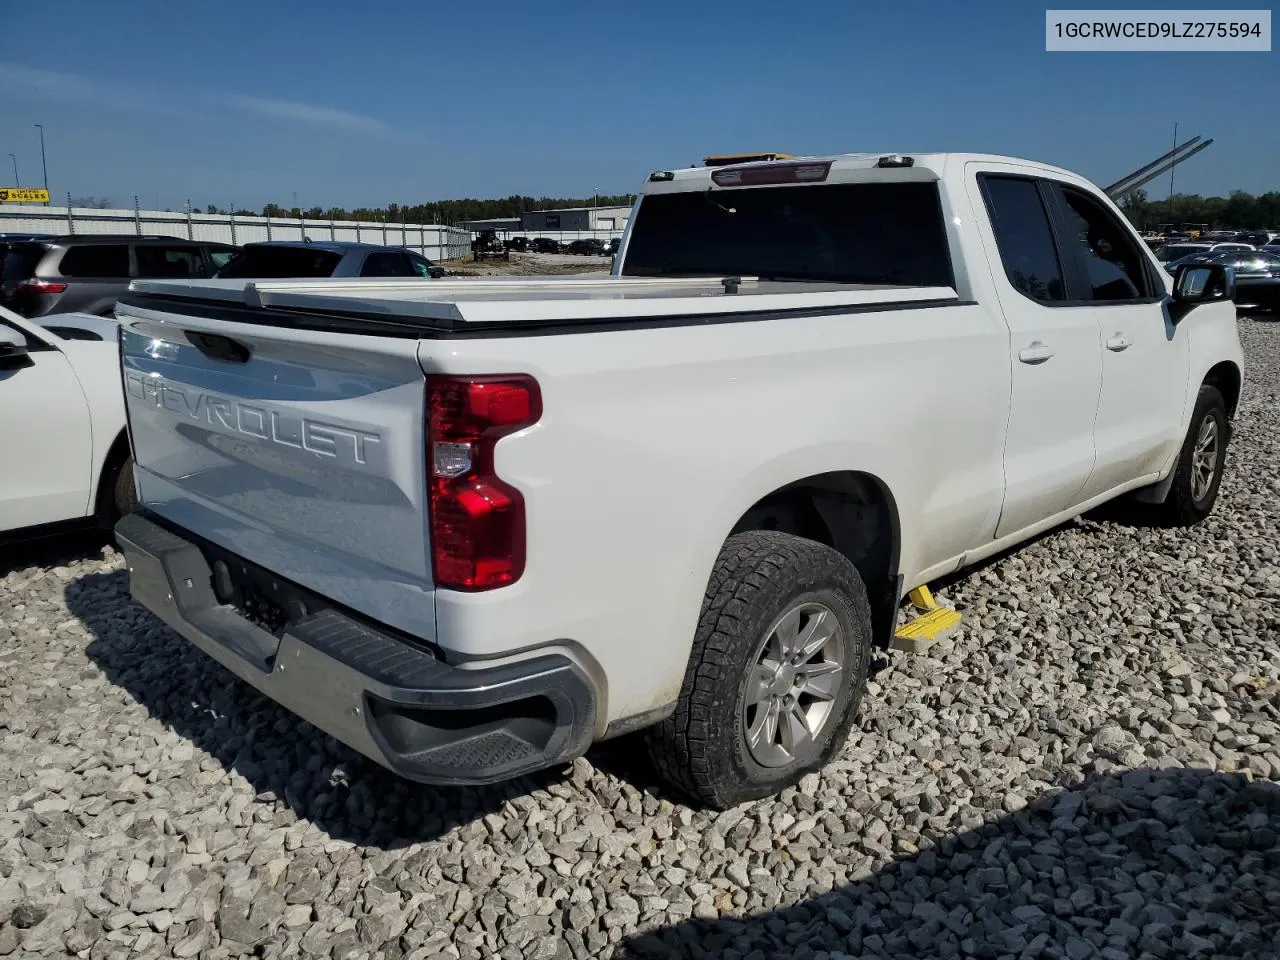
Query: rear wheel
[(778, 666)]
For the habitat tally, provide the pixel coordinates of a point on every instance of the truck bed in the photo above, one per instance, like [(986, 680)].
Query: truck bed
[(422, 308)]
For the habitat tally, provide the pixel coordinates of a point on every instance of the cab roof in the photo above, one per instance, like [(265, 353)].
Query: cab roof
[(842, 167)]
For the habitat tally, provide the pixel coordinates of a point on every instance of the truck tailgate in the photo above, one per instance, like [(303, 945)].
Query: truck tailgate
[(302, 450)]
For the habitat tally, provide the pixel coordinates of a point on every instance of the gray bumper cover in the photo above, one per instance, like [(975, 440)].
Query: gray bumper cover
[(387, 699)]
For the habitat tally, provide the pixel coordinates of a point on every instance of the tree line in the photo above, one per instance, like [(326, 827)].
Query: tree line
[(438, 211), (1238, 210)]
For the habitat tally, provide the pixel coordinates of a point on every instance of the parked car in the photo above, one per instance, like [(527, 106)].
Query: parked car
[(525, 546), (1176, 254), (303, 258), (590, 246), (88, 273), (1176, 251), (62, 427), (545, 245), (1257, 278), (517, 244), (1255, 238), (614, 245)]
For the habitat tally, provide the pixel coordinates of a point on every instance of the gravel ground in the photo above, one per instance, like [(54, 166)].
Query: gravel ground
[(1089, 769)]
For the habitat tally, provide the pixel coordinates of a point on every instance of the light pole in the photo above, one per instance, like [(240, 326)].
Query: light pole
[(1171, 169), (16, 181), (44, 166)]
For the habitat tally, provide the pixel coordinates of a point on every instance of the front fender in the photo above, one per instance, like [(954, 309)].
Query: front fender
[(1212, 338)]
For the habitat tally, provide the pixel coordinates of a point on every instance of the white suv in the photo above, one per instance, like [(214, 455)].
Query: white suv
[(62, 427)]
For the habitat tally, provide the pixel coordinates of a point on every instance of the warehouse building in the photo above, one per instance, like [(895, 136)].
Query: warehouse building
[(576, 218)]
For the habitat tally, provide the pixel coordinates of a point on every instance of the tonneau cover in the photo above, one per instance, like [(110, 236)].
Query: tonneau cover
[(524, 300)]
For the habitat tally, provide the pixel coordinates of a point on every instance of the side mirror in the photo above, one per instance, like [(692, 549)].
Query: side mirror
[(13, 347), (1197, 283)]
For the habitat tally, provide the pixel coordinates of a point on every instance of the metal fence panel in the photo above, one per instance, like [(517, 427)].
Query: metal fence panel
[(433, 241)]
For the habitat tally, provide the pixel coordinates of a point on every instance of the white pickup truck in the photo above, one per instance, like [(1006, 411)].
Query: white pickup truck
[(471, 527)]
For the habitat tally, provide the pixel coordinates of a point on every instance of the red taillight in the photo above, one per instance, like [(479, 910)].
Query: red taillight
[(41, 286), (477, 520), (766, 173)]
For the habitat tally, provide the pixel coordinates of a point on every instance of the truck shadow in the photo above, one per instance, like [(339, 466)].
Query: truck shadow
[(282, 757), (1151, 863)]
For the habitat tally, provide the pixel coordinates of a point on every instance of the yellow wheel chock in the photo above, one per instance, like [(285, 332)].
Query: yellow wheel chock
[(932, 623)]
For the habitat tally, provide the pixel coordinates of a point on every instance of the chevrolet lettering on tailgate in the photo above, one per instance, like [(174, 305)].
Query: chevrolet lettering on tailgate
[(253, 420)]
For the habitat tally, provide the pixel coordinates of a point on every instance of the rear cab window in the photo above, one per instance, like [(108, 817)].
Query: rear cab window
[(855, 233), (268, 262), (96, 261)]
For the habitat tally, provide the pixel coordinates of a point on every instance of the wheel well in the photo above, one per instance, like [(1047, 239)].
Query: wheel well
[(1226, 377), (116, 455), (851, 512)]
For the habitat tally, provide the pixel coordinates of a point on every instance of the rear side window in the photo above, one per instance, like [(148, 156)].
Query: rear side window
[(173, 262), (387, 264), (421, 265), (220, 258), (1112, 264), (868, 233), (280, 263), (1024, 237), (18, 262), (101, 261), (1176, 251)]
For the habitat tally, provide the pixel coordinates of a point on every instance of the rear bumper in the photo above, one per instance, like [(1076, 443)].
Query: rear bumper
[(390, 700)]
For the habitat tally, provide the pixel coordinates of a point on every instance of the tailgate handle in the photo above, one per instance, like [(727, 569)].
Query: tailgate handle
[(218, 347)]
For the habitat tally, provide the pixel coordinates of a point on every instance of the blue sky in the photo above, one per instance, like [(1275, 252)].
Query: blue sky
[(365, 104)]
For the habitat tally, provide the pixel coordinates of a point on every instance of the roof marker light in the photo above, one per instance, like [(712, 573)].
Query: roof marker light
[(895, 161)]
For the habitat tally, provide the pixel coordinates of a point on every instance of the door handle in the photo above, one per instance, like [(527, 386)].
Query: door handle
[(1037, 352), (1118, 342)]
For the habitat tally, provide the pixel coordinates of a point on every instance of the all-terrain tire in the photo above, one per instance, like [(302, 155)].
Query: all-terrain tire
[(117, 495), (701, 750), (1190, 502)]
